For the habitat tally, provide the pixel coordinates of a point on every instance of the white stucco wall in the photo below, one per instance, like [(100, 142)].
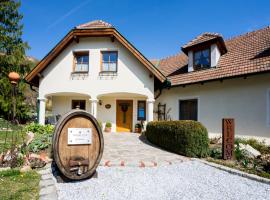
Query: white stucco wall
[(190, 61), (132, 76), (215, 55), (63, 104), (245, 100)]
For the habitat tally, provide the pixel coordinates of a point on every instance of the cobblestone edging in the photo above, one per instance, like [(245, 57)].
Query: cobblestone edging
[(235, 171), (47, 184)]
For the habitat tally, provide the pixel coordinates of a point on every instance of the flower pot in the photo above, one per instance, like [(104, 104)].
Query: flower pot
[(108, 129), (138, 130)]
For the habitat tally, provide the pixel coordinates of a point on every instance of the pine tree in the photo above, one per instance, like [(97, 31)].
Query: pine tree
[(12, 57)]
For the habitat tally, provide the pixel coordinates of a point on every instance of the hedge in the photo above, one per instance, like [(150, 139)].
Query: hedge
[(185, 137)]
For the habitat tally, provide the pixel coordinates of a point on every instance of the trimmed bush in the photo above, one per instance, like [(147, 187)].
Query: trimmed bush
[(185, 137)]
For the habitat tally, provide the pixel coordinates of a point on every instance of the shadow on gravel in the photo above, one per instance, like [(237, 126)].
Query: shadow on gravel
[(145, 141)]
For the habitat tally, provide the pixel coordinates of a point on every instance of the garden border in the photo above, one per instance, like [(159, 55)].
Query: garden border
[(234, 171), (47, 186)]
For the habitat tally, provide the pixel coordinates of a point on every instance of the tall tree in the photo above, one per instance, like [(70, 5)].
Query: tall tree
[(12, 57)]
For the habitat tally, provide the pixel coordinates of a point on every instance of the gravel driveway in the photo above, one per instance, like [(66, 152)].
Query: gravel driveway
[(187, 180)]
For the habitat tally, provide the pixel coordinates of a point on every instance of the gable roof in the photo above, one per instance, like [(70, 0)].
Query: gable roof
[(247, 54), (96, 28)]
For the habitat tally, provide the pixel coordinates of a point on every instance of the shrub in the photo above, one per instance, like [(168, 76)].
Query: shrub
[(39, 129), (43, 136), (100, 124), (138, 125), (185, 137), (108, 124), (215, 152)]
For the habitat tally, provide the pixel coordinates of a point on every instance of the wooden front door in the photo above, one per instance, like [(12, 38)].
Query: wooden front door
[(124, 110)]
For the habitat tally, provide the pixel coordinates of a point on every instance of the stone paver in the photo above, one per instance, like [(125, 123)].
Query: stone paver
[(47, 184), (132, 149)]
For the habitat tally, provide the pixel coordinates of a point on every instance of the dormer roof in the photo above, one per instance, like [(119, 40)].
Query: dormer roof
[(206, 39)]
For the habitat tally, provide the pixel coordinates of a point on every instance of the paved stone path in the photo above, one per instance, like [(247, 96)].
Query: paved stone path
[(132, 149)]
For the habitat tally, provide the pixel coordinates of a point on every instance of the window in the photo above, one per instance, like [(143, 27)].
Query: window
[(202, 59), (78, 104), (109, 61), (141, 115), (188, 109), (81, 61)]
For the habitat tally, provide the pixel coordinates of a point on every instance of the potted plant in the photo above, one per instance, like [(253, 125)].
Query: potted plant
[(138, 128), (108, 127)]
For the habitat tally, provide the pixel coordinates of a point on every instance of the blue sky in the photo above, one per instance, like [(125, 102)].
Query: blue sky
[(157, 28)]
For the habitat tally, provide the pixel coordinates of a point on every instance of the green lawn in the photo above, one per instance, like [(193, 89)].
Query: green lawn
[(16, 185)]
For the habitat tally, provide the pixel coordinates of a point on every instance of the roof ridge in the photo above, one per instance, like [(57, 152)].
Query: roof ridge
[(212, 34), (95, 23), (248, 33)]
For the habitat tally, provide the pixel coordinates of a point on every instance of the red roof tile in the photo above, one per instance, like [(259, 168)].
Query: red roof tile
[(95, 24), (202, 38)]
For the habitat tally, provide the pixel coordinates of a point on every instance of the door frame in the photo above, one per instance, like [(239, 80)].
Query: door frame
[(128, 100)]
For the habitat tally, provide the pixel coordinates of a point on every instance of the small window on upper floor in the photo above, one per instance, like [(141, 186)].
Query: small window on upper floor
[(202, 59), (109, 61), (81, 62)]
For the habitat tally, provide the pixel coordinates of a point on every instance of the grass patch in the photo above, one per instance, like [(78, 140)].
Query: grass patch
[(16, 185)]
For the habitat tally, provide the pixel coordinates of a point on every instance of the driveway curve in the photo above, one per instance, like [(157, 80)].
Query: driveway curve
[(187, 180)]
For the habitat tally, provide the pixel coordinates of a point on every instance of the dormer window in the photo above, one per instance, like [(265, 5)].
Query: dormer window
[(81, 61), (204, 51), (202, 59)]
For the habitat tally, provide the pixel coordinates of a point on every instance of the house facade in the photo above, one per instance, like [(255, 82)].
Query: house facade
[(96, 69)]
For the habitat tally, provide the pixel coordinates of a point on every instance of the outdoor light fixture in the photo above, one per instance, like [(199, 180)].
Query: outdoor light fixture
[(100, 102), (14, 78)]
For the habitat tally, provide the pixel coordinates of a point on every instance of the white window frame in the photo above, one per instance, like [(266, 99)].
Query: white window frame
[(188, 98), (77, 51)]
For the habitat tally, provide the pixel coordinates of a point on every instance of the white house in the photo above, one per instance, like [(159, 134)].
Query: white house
[(95, 68)]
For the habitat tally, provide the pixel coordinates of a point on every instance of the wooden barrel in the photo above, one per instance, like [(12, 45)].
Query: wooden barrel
[(77, 145)]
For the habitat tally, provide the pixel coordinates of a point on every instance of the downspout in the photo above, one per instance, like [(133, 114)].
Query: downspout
[(165, 85)]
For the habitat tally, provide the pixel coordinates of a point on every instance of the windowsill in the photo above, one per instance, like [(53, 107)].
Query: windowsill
[(202, 69), (104, 73), (79, 72)]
